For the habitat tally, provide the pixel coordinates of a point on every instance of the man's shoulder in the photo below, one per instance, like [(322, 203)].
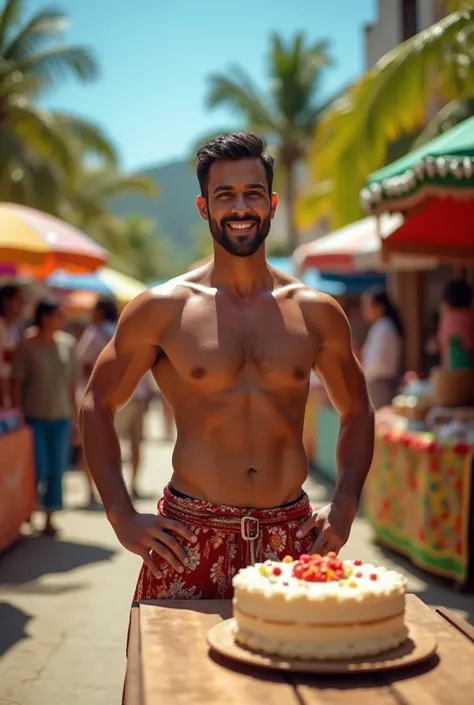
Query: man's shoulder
[(312, 299), (154, 308)]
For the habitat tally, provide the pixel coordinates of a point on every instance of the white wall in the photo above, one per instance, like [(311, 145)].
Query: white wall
[(386, 32)]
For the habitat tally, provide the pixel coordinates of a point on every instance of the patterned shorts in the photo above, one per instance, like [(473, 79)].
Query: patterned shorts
[(229, 538)]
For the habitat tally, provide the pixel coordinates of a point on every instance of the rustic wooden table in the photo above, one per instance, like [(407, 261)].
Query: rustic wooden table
[(169, 662)]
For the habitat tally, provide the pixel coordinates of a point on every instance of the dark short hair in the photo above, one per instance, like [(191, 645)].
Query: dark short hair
[(7, 293), (45, 307), (234, 145), (379, 295), (108, 308), (458, 294)]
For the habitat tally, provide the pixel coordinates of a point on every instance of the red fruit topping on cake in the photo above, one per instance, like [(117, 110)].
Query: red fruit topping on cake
[(319, 569), (276, 570), (358, 574), (357, 561), (374, 576)]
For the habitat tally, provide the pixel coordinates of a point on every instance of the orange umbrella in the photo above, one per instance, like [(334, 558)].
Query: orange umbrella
[(38, 243)]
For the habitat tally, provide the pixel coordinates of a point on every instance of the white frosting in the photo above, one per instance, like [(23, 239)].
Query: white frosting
[(280, 614), (291, 588)]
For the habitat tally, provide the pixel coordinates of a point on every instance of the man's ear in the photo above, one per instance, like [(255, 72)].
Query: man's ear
[(202, 207), (274, 204)]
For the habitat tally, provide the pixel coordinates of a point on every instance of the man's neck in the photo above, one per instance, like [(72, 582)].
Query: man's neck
[(242, 276)]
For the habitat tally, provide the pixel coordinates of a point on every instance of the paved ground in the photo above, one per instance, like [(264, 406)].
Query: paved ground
[(64, 604)]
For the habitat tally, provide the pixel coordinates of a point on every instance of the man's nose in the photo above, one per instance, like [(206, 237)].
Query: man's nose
[(239, 206)]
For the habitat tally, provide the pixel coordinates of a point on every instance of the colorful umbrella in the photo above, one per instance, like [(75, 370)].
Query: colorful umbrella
[(442, 227), (38, 243), (104, 281), (442, 167), (347, 250)]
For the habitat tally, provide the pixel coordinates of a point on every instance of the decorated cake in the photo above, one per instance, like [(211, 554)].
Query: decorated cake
[(319, 608)]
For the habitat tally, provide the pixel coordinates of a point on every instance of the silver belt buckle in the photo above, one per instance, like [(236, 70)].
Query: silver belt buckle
[(250, 531)]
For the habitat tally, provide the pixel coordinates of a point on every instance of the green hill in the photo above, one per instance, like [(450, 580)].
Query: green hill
[(174, 210)]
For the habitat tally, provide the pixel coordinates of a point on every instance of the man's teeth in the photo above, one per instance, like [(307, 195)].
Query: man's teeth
[(240, 226)]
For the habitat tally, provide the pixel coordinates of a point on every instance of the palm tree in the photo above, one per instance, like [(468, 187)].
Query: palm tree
[(145, 255), (37, 146), (287, 114), (388, 102)]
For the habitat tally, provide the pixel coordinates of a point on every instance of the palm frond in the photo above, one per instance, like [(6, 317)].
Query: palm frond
[(88, 137), (450, 115), (38, 128), (458, 5), (388, 102), (10, 16), (58, 62), (238, 91), (106, 183), (313, 205), (46, 24)]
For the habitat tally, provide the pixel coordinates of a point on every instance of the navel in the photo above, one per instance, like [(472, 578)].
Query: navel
[(198, 372), (299, 374)]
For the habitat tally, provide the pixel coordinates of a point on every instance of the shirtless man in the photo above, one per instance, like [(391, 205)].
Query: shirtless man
[(231, 345)]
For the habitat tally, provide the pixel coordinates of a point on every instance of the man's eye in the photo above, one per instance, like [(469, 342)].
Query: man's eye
[(225, 194), (256, 194)]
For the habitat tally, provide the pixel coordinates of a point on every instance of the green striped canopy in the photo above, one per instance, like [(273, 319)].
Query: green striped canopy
[(443, 166)]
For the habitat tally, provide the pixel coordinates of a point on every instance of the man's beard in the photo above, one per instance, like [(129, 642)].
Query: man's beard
[(243, 245)]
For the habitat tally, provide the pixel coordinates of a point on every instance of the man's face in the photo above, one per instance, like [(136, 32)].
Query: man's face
[(238, 207)]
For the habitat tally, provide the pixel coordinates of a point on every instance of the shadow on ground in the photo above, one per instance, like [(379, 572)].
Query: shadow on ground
[(13, 626), (36, 556)]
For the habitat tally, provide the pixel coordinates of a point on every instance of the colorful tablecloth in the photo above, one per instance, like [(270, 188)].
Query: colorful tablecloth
[(17, 484), (418, 498)]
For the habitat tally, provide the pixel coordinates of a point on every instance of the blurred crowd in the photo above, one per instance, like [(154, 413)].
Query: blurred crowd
[(45, 363)]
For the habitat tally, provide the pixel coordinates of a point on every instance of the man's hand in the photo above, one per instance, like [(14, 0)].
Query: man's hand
[(333, 525), (143, 533)]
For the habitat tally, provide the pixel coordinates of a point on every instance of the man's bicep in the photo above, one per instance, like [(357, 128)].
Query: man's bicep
[(117, 374), (338, 367), (123, 362)]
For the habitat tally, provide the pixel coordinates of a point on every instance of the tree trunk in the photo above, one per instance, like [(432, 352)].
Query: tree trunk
[(290, 194)]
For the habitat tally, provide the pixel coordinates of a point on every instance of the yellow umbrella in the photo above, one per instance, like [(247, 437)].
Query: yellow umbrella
[(123, 288), (38, 243)]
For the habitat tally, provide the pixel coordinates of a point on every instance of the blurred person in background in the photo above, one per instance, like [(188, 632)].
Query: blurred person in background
[(45, 376), (382, 351), (456, 319), (11, 308), (97, 334), (93, 340), (129, 423)]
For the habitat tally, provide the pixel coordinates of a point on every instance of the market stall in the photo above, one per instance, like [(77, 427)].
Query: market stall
[(17, 477), (32, 245), (419, 494)]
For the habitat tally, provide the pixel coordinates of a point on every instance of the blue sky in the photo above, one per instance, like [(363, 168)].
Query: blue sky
[(155, 57)]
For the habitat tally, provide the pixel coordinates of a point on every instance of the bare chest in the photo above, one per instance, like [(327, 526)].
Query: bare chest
[(226, 344)]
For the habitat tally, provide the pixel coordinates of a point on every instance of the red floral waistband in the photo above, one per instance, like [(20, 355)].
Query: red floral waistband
[(224, 517)]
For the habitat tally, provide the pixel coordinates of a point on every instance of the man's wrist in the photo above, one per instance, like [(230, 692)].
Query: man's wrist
[(116, 514), (346, 501)]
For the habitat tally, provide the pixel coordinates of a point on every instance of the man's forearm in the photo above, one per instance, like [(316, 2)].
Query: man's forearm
[(103, 458), (355, 447)]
